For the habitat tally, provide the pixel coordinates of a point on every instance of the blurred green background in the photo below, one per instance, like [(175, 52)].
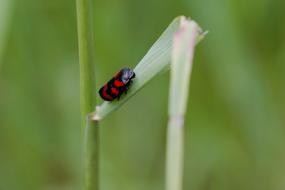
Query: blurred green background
[(235, 125)]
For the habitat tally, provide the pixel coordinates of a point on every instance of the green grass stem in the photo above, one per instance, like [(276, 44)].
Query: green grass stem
[(87, 93), (181, 65)]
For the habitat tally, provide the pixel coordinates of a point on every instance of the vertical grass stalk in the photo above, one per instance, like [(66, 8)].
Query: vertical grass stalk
[(181, 65), (87, 93), (91, 154)]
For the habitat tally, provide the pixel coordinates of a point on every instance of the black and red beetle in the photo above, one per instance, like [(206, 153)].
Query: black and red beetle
[(119, 84)]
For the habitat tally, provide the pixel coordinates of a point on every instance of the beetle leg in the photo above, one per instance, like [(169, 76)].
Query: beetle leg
[(126, 90), (127, 87)]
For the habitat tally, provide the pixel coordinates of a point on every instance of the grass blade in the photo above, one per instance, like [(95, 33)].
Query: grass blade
[(181, 65), (154, 62)]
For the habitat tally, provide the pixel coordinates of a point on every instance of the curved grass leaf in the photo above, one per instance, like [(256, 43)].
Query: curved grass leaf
[(154, 62)]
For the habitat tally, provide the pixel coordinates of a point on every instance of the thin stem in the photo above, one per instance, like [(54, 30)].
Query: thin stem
[(87, 93), (181, 66), (174, 154), (91, 158), (86, 58)]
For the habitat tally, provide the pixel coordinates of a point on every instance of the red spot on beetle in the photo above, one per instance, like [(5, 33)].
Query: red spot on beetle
[(104, 94), (118, 83), (114, 91)]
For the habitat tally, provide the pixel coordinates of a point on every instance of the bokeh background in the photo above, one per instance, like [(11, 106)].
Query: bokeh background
[(235, 125)]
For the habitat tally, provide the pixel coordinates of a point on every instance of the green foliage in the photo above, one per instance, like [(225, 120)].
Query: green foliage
[(234, 127), (5, 14)]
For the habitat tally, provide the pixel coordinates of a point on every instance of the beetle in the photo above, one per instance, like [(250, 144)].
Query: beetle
[(118, 85)]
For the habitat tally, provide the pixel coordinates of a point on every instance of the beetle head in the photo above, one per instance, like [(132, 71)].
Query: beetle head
[(127, 75)]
